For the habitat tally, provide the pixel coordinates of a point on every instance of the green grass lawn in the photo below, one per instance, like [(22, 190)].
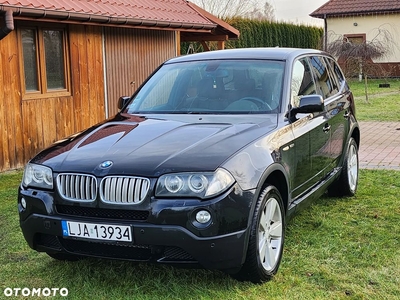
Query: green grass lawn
[(337, 249), (383, 103)]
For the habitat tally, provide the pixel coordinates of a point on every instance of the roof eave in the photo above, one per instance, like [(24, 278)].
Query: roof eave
[(230, 31), (321, 15), (104, 20)]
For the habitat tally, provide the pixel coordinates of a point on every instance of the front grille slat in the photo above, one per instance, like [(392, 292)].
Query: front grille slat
[(124, 195), (145, 188), (82, 187), (94, 188), (137, 189), (124, 189), (88, 193), (77, 183), (61, 185), (107, 189), (130, 190), (69, 180), (118, 190), (72, 187)]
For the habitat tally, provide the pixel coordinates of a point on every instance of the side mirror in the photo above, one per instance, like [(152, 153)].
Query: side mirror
[(122, 101), (309, 104)]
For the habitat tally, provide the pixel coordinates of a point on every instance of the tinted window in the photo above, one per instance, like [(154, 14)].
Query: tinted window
[(339, 75), (334, 78), (327, 86), (302, 81)]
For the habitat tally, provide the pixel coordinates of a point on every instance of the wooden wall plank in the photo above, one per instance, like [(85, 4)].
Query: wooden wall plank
[(30, 128), (11, 139), (65, 116), (95, 76), (3, 136), (77, 54), (49, 121)]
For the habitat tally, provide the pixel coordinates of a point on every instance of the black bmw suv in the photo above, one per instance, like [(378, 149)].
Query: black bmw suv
[(203, 165)]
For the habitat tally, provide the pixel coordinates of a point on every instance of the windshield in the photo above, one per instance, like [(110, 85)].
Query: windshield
[(212, 87)]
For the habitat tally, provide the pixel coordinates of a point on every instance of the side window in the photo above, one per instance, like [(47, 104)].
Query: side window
[(327, 86), (302, 81), (335, 79), (339, 74)]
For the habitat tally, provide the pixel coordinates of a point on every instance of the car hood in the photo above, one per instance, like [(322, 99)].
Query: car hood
[(152, 146)]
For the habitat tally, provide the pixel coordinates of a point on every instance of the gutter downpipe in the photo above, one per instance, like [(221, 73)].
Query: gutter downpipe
[(103, 45), (325, 33), (9, 24)]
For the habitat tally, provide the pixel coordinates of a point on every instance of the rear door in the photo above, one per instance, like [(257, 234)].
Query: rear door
[(338, 108)]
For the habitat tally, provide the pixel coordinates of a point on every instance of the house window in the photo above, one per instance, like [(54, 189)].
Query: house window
[(45, 62), (355, 39)]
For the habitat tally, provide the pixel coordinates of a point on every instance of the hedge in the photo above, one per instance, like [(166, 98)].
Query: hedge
[(254, 33)]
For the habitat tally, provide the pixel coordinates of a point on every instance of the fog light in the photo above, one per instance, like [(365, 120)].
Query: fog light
[(23, 203), (203, 217)]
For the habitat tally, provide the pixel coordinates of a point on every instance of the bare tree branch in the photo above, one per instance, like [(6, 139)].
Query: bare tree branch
[(252, 9)]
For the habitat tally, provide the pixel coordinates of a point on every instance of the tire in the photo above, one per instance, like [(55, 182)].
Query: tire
[(64, 256), (347, 183), (266, 240)]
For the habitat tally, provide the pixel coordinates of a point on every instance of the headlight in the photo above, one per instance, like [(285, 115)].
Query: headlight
[(38, 176), (199, 185)]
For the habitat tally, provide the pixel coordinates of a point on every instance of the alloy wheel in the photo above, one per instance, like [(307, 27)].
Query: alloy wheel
[(270, 233), (352, 167)]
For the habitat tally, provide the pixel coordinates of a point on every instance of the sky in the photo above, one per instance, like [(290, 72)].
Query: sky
[(297, 11)]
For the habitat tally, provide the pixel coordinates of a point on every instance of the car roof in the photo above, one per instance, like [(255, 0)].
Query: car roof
[(275, 53)]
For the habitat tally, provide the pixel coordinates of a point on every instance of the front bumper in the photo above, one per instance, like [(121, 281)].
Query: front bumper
[(167, 235)]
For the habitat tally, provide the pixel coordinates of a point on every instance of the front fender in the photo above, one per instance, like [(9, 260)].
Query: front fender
[(248, 167)]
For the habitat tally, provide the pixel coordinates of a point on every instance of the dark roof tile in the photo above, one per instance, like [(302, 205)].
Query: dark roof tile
[(355, 7), (177, 11)]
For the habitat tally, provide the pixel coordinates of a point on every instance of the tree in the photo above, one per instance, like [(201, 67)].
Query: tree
[(356, 57), (225, 9)]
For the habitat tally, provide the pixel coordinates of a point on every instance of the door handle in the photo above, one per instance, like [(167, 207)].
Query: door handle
[(346, 114), (326, 128)]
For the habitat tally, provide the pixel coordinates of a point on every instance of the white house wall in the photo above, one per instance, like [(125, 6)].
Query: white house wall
[(370, 26)]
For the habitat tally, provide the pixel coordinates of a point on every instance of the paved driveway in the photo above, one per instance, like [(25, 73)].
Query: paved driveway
[(380, 145)]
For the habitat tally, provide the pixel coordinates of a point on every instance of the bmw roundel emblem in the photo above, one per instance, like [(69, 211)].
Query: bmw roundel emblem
[(106, 164)]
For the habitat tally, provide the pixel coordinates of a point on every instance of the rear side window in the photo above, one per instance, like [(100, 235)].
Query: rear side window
[(339, 75), (327, 85), (337, 79)]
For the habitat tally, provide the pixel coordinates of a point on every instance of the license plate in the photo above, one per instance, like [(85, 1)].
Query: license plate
[(97, 231)]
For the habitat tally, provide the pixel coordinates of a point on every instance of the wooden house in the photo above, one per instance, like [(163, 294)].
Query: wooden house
[(65, 63)]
